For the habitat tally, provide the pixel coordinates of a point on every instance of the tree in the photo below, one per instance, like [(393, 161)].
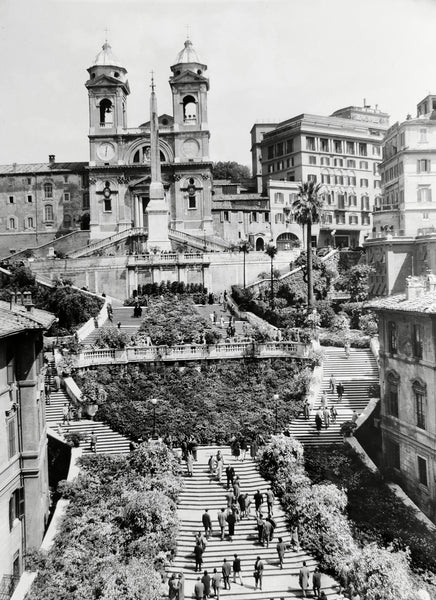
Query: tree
[(230, 170), (245, 247), (271, 250), (355, 282), (307, 211)]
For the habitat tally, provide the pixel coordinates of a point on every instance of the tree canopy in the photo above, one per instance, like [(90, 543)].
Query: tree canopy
[(230, 170)]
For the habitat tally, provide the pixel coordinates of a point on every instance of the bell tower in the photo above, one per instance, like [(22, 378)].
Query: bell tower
[(108, 89)]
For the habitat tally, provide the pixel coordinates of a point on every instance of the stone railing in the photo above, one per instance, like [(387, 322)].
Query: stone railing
[(170, 258), (183, 352)]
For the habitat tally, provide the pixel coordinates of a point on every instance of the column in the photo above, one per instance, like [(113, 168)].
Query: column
[(141, 212), (136, 211)]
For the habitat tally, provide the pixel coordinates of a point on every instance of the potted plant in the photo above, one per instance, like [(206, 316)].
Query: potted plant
[(347, 428)]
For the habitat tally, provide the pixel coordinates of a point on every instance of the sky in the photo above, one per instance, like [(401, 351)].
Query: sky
[(267, 61)]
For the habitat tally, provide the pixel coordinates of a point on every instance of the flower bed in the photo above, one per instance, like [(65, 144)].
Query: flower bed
[(377, 573), (119, 530)]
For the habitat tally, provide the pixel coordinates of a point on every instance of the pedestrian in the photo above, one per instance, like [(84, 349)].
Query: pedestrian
[(236, 449), (244, 448), (226, 570), (260, 523), (323, 400), (219, 465), (318, 421), (281, 549), (199, 589), (194, 448), (258, 500), (266, 533), (333, 413), (316, 583), (270, 501), (222, 521), (332, 383), (184, 449), (242, 504), (189, 464), (303, 579), (230, 474), (65, 414), (326, 416), (207, 523), (258, 573), (254, 447), (236, 488), (214, 317), (200, 539), (57, 382), (47, 394), (198, 555), (295, 540), (211, 463), (216, 583), (306, 409), (247, 506), (206, 581), (231, 521), (340, 390), (181, 587), (354, 416), (237, 569), (230, 497), (173, 587), (347, 349), (93, 442)]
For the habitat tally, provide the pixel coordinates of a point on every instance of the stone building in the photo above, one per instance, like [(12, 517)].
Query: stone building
[(24, 491), (407, 325), (342, 152), (402, 242)]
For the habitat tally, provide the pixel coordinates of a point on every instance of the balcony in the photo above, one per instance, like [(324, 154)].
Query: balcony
[(171, 258), (106, 125)]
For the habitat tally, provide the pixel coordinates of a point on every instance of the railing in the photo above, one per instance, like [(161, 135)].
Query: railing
[(104, 356), (7, 585), (376, 235), (121, 235), (153, 259), (197, 241)]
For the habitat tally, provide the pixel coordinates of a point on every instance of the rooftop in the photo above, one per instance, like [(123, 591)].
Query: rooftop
[(425, 303), (106, 58), (187, 54), (18, 318), (33, 168)]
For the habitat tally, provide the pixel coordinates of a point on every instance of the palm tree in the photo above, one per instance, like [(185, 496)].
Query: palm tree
[(245, 247), (271, 250), (307, 209)]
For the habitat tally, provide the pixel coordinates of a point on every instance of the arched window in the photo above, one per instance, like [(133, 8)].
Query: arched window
[(48, 190), (106, 114), (287, 241), (420, 398), (48, 212), (12, 223), (29, 222), (393, 382), (260, 245), (142, 155), (189, 109)]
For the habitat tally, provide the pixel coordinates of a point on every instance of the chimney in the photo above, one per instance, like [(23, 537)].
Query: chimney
[(51, 159), (415, 287), (431, 282)]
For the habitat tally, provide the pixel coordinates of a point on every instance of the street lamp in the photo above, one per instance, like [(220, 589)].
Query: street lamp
[(154, 402), (276, 399)]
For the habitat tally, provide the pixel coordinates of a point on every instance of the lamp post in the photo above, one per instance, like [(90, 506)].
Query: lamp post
[(154, 402), (244, 246), (276, 399)]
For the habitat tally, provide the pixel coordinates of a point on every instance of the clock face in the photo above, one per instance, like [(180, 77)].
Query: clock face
[(106, 151)]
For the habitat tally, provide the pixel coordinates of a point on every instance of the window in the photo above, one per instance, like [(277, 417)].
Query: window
[(280, 149), (328, 218), (85, 201), (423, 165), (424, 193), (393, 454), (350, 147), (425, 216), (289, 146), (16, 506), (340, 220), (48, 212), (337, 146), (423, 135), (226, 216), (352, 200), (352, 181), (324, 144), (351, 163), (338, 162), (422, 471), (363, 164), (392, 394), (67, 196), (325, 161), (254, 217), (310, 143), (279, 198), (189, 109), (12, 223), (29, 198), (363, 150), (376, 184), (12, 437), (291, 176), (271, 168), (279, 218), (341, 201), (366, 220), (325, 178), (11, 199), (417, 340), (353, 220), (392, 337), (48, 190), (29, 223), (280, 165), (363, 183), (311, 178), (365, 202), (266, 217), (312, 160), (65, 178), (29, 181), (270, 151), (419, 393)]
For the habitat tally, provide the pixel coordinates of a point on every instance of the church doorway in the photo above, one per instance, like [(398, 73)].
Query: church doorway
[(260, 245)]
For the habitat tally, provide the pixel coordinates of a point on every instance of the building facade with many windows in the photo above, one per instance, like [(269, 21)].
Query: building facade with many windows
[(407, 333), (341, 152), (24, 491)]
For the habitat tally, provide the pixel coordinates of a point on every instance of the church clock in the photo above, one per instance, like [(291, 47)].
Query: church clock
[(106, 151)]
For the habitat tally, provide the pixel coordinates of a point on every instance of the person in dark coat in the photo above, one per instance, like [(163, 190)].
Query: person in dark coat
[(222, 521), (231, 521), (207, 523), (199, 589), (258, 500), (237, 569), (260, 523), (198, 554), (258, 573), (226, 570), (316, 583), (230, 474), (173, 587), (318, 422), (266, 533), (281, 549), (206, 580), (242, 504), (340, 390)]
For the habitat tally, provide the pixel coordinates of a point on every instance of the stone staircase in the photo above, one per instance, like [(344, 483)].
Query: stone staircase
[(121, 314), (108, 441), (357, 373), (202, 491)]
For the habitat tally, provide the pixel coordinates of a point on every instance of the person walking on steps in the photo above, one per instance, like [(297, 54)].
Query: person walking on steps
[(93, 442), (206, 581), (198, 555), (306, 409), (332, 383), (281, 549), (347, 349), (216, 583), (230, 474), (260, 523), (237, 569), (270, 501), (65, 414), (318, 421), (258, 500), (231, 521), (181, 590), (303, 579), (333, 413), (316, 583), (326, 416), (222, 521), (226, 570), (189, 464), (258, 573), (266, 533), (340, 390), (207, 523), (173, 587), (199, 589)]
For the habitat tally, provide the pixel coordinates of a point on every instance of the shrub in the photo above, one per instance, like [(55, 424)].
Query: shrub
[(111, 337), (336, 338)]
